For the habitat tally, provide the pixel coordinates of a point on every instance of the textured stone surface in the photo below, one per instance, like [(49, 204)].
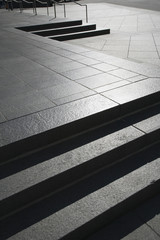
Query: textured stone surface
[(134, 91), (36, 123), (95, 204), (150, 124), (98, 80), (134, 225), (55, 166)]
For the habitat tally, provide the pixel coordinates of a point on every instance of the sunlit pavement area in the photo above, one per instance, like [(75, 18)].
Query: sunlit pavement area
[(63, 89), (135, 33)]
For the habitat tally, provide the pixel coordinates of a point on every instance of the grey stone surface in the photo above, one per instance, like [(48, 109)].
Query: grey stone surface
[(134, 91), (74, 97), (128, 227), (52, 167), (23, 104), (150, 124), (66, 67), (81, 73), (62, 90), (137, 78), (150, 213), (124, 74), (52, 118), (81, 212), (111, 86), (105, 67), (98, 80)]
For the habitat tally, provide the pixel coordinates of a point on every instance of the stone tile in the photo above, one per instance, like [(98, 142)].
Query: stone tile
[(134, 91), (149, 124), (142, 48), (26, 103), (8, 79), (43, 78), (63, 90), (105, 67), (137, 78), (143, 54), (14, 90), (122, 73), (81, 73), (98, 80), (118, 53), (117, 42), (115, 48), (2, 118), (60, 68), (52, 118), (74, 97), (88, 61), (111, 86)]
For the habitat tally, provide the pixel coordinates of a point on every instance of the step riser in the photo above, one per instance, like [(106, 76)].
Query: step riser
[(73, 174), (65, 31), (81, 35), (50, 26)]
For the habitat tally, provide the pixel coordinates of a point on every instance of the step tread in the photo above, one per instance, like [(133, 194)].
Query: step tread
[(86, 215), (57, 165), (111, 146)]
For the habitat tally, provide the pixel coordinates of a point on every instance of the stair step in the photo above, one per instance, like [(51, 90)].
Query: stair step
[(17, 138), (65, 30), (79, 211), (84, 34), (57, 24), (54, 171)]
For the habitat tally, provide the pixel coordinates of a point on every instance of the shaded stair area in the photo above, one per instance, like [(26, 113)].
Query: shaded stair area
[(72, 180), (65, 30)]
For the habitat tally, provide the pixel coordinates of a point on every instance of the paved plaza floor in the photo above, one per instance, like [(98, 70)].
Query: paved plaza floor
[(45, 82), (135, 33)]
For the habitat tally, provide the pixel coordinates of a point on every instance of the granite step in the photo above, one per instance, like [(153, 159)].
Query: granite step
[(82, 209), (59, 31), (19, 136), (57, 24), (35, 176), (83, 34)]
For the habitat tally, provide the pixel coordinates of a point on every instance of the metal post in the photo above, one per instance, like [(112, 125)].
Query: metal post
[(86, 14), (20, 6), (64, 10), (35, 8), (47, 9), (55, 10)]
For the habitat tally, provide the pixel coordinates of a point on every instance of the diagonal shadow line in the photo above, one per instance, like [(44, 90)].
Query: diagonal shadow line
[(75, 142), (70, 195)]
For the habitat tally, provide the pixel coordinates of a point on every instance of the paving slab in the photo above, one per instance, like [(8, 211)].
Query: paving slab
[(98, 80), (134, 91)]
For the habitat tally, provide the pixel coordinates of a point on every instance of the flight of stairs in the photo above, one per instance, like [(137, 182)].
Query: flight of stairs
[(65, 30), (65, 178)]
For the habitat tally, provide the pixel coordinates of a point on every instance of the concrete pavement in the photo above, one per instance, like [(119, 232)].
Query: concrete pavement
[(135, 33)]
